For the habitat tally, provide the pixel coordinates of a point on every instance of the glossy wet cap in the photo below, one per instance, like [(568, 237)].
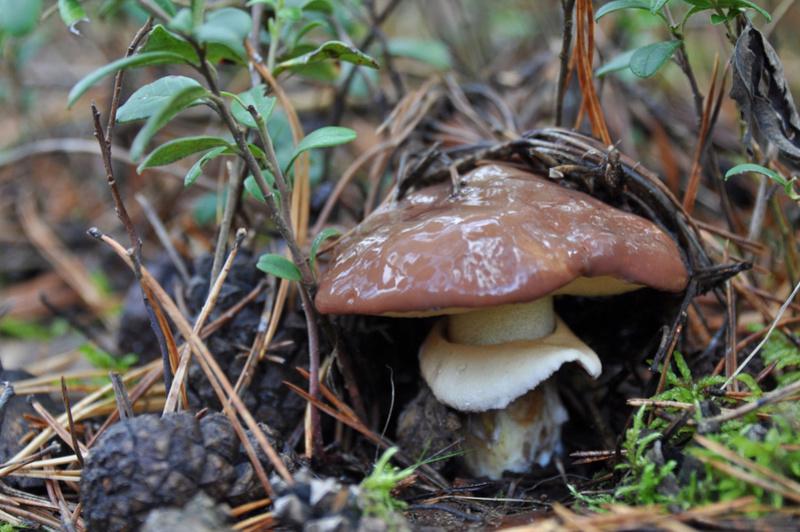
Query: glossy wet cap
[(509, 236)]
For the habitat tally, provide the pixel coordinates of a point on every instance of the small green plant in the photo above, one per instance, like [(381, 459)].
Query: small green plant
[(749, 168), (593, 501), (643, 476), (103, 360), (647, 60), (376, 489), (786, 357), (209, 39), (31, 330), (681, 385), (772, 445), (650, 479)]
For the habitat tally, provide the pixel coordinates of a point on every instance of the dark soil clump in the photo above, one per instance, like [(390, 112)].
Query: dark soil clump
[(266, 397), (14, 426)]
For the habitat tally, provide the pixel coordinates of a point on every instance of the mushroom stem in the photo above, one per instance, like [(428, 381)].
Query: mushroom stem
[(526, 432), (503, 324), (495, 365)]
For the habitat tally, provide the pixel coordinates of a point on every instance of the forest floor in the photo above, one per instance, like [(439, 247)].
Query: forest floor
[(694, 421)]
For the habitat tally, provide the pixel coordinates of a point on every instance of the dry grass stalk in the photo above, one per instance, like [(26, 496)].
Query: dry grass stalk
[(179, 379)]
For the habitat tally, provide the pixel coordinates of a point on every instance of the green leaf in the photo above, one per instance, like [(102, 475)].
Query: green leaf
[(167, 6), (321, 6), (324, 137), (618, 5), (656, 5), (197, 168), (750, 382), (253, 189), (105, 360), (227, 28), (700, 4), (255, 97), (150, 98), (329, 50), (430, 51), (182, 21), (325, 234), (257, 152), (683, 368), (177, 149), (620, 62), (138, 60), (787, 184), (323, 71), (204, 208), (289, 14), (71, 12), (18, 18), (718, 19), (279, 266), (744, 4), (647, 60), (198, 8), (166, 112), (161, 39), (757, 168), (23, 329), (303, 31)]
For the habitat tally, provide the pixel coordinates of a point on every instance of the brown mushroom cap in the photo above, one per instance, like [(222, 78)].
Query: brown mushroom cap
[(509, 236)]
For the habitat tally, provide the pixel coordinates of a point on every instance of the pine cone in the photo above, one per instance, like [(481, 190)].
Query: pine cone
[(149, 462)]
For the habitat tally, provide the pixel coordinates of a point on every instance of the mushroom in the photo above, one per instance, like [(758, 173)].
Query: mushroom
[(490, 259)]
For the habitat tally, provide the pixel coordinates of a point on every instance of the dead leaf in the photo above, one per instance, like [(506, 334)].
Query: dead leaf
[(760, 89)]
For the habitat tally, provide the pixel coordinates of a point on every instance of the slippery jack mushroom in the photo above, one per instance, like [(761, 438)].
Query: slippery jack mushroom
[(490, 259)]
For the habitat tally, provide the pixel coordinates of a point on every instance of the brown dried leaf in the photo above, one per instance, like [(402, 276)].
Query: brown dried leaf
[(760, 89)]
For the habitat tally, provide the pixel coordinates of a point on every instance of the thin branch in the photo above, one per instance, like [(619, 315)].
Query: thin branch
[(163, 237), (682, 58), (71, 422), (706, 126), (121, 396), (117, 92), (314, 439), (284, 227), (235, 181), (272, 162), (137, 392), (136, 241), (178, 385), (568, 7), (314, 435), (257, 14), (763, 340), (267, 325), (340, 99)]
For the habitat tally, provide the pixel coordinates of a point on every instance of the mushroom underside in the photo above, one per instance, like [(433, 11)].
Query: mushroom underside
[(495, 366)]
